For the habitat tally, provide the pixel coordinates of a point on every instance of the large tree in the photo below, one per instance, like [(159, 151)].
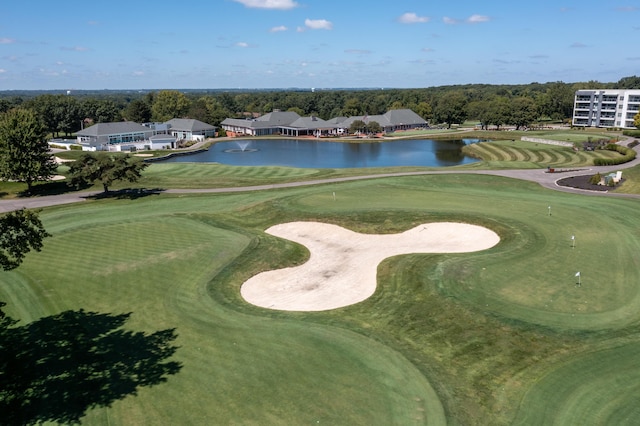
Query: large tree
[(523, 112), (24, 152), (20, 232), (170, 104), (357, 126), (138, 111), (451, 108), (636, 120), (101, 110), (106, 169)]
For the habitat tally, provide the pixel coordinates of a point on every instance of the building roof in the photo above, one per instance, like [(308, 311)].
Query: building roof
[(311, 123), (336, 120), (116, 128), (392, 118), (404, 116), (189, 124), (270, 120), (246, 123), (279, 118), (162, 137)]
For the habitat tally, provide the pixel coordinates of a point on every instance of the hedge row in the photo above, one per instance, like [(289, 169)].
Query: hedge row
[(632, 133), (628, 154)]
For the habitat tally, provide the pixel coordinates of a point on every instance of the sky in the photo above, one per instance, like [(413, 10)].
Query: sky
[(262, 44)]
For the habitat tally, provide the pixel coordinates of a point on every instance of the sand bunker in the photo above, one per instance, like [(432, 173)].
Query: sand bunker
[(342, 267)]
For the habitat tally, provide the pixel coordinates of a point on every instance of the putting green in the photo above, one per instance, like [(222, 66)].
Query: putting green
[(594, 388)]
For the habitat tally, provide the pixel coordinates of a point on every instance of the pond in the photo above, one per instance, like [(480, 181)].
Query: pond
[(308, 153)]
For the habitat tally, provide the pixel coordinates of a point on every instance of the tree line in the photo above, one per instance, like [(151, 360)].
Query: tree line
[(490, 105)]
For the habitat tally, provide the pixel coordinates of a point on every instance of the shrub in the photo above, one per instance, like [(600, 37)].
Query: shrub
[(595, 179), (628, 154), (632, 132)]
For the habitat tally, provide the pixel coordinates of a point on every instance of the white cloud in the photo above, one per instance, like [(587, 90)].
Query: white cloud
[(269, 4), (6, 40), (75, 49), (318, 24), (412, 18), (2, 70), (426, 49), (474, 19), (278, 29), (242, 44)]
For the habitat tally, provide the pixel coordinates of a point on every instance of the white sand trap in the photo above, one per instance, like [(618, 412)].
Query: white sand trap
[(342, 267)]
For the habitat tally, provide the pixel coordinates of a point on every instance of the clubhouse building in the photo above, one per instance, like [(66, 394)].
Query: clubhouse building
[(128, 135), (606, 108), (288, 123)]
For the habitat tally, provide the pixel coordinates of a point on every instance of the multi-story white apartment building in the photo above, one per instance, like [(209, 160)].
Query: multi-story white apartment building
[(606, 108)]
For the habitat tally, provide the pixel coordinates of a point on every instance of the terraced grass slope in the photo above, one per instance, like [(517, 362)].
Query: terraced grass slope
[(530, 154), (481, 338)]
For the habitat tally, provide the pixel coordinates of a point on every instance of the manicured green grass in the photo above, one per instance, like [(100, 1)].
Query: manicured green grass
[(458, 339), (520, 154)]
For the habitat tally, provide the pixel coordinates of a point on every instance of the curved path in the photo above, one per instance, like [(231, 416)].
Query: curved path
[(547, 180)]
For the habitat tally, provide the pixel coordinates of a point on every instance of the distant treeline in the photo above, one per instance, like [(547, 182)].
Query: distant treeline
[(496, 105)]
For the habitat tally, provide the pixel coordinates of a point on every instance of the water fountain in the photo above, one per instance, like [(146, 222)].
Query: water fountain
[(243, 146)]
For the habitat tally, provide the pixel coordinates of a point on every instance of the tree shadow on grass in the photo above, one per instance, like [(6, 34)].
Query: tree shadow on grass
[(128, 193), (58, 367), (56, 187)]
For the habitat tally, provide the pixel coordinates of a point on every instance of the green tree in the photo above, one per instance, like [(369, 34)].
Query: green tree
[(498, 111), (138, 111), (20, 232), (351, 107), (24, 152), (47, 108), (69, 114), (101, 110), (451, 108), (636, 120), (105, 168), (374, 127), (297, 110), (424, 110), (170, 104), (523, 112), (557, 102), (478, 111), (357, 126)]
